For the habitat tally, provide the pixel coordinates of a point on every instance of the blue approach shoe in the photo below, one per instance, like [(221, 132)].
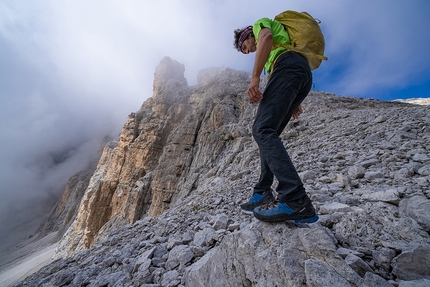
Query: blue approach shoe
[(256, 200), (301, 211)]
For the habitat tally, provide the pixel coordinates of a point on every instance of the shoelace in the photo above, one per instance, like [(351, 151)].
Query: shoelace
[(269, 205)]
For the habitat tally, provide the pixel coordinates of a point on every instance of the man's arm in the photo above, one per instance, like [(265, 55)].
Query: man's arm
[(265, 41)]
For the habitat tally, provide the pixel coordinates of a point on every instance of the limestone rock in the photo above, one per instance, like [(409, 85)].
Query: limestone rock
[(383, 257), (418, 208), (248, 258), (415, 283), (221, 222), (334, 207), (389, 195), (358, 264), (204, 237), (371, 279), (413, 263), (181, 254)]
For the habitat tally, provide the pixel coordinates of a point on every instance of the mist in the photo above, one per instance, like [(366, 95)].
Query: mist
[(71, 72)]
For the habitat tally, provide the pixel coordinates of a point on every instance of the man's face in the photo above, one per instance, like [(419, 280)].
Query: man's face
[(249, 45)]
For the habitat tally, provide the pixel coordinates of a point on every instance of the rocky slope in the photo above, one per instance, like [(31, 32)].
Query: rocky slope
[(162, 207)]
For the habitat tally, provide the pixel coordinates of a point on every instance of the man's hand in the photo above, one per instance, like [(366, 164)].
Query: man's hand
[(297, 112), (254, 92)]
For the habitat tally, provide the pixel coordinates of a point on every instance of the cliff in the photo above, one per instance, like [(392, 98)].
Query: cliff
[(162, 207)]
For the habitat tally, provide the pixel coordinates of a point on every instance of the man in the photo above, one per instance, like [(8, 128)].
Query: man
[(288, 85)]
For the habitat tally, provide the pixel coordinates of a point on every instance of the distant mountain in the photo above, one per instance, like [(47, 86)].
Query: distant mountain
[(417, 101)]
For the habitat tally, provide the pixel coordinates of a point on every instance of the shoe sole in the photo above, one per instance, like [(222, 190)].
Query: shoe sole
[(307, 220), (284, 217), (247, 211)]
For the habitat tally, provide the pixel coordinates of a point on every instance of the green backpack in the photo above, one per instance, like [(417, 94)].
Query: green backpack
[(305, 35)]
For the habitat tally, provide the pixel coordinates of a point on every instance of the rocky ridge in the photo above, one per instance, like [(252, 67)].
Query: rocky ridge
[(162, 207)]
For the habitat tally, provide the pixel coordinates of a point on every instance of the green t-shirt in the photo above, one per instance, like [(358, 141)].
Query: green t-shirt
[(280, 36)]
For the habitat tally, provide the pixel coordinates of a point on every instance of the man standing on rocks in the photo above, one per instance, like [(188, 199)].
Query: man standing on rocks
[(289, 83)]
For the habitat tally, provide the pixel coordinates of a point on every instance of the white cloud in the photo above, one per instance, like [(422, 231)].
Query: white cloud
[(379, 44)]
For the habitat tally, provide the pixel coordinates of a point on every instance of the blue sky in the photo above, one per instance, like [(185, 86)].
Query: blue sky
[(71, 71)]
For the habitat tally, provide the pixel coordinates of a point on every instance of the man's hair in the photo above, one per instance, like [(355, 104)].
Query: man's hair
[(237, 34)]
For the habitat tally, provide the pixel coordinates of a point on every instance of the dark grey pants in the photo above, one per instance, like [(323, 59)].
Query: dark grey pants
[(288, 85)]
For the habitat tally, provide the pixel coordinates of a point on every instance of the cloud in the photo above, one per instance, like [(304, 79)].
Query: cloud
[(376, 45)]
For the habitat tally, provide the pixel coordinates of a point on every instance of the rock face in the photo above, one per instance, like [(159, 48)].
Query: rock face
[(162, 207), (163, 149)]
